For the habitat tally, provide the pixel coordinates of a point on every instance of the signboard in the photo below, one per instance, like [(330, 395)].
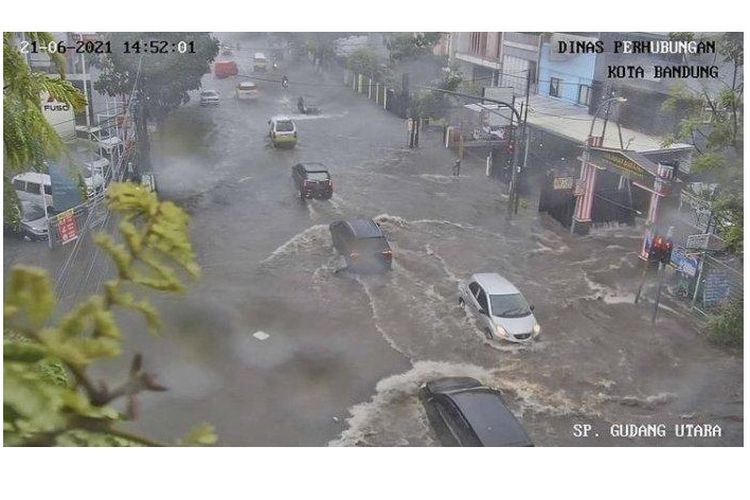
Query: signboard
[(689, 266), (60, 115), (563, 183), (66, 192), (67, 227), (618, 162), (697, 241)]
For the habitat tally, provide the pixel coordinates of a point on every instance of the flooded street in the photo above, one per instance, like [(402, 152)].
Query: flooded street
[(278, 345)]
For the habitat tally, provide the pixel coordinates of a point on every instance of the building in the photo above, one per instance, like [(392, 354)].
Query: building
[(497, 59)]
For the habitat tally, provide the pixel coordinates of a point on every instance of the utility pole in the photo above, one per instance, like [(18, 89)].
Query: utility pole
[(660, 279), (524, 138)]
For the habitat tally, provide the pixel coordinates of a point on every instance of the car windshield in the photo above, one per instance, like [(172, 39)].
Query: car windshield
[(31, 212), (284, 126), (209, 93), (509, 306)]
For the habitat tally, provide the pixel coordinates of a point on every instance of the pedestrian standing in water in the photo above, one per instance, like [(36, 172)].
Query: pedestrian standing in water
[(457, 168)]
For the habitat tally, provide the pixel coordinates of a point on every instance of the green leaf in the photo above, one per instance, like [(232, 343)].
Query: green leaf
[(29, 299), (201, 435)]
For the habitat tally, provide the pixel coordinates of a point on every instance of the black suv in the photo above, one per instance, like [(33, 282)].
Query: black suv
[(312, 180), (463, 412), (362, 244)]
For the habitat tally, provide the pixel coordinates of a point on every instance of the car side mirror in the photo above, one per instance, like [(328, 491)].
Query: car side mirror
[(531, 307), (482, 311)]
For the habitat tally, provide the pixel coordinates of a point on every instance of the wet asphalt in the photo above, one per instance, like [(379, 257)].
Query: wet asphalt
[(340, 356)]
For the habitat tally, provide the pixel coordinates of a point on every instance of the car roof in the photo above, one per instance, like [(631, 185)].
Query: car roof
[(246, 82), (37, 177), (206, 91), (313, 166), (491, 420), (494, 284), (259, 54), (448, 384), (365, 228), (282, 118)]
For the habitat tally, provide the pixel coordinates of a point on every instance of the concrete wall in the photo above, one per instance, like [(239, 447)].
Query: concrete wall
[(573, 70)]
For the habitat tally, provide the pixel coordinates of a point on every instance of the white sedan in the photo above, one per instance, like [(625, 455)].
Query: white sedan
[(501, 310)]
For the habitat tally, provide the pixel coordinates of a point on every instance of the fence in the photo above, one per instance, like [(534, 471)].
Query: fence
[(389, 98)]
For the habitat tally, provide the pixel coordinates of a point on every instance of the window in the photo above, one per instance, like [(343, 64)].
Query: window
[(48, 189), (19, 185), (284, 126), (33, 187), (554, 87), (482, 299), (584, 95), (509, 306), (474, 287)]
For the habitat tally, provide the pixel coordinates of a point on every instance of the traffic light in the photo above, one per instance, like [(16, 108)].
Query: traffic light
[(666, 252), (661, 250)]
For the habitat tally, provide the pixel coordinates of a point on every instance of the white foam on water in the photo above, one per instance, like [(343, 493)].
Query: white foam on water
[(446, 269), (545, 249), (376, 315), (308, 237), (395, 413), (440, 179)]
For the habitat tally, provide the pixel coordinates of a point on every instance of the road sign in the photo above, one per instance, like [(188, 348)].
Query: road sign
[(697, 241), (563, 183), (66, 226)]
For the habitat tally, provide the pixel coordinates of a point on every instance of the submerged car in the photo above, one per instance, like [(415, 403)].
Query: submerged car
[(500, 308), (463, 412), (282, 131), (247, 91), (210, 98), (312, 180), (362, 244)]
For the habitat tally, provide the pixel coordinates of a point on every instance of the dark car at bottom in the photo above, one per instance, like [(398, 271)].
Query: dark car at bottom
[(362, 244), (312, 180), (463, 412)]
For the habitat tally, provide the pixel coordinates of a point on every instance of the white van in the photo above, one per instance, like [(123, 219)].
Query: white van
[(32, 183), (247, 91)]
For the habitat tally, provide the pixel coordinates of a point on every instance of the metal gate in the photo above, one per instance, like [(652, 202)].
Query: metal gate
[(556, 197)]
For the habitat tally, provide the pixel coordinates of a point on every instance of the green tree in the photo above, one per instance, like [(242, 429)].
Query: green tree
[(164, 79), (712, 121), (28, 138), (364, 61), (49, 396), (407, 46)]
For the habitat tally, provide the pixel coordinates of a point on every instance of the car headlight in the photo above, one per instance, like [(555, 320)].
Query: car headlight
[(501, 331), (537, 328)]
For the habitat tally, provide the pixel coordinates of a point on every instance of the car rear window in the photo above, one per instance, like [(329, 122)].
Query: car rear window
[(318, 176), (284, 126), (490, 419)]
